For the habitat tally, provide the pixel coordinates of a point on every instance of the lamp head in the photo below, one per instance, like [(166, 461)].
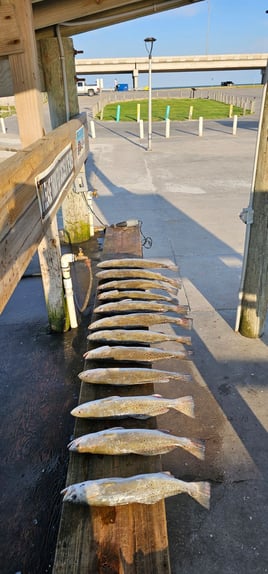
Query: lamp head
[(149, 42)]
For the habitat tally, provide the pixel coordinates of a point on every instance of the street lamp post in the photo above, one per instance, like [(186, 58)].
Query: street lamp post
[(149, 42)]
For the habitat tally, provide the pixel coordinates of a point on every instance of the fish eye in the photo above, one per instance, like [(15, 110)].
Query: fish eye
[(74, 496)]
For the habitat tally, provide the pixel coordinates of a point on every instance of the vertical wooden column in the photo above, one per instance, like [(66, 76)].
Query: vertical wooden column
[(63, 106), (255, 292), (28, 100)]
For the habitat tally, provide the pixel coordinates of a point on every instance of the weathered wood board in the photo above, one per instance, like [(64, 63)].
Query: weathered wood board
[(130, 539), (21, 224)]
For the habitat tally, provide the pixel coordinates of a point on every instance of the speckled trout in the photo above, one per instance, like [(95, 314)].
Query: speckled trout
[(143, 354), (142, 488), (140, 320), (130, 376), (136, 336), (115, 294), (138, 263), (138, 284), (137, 406), (132, 306), (135, 274), (147, 442)]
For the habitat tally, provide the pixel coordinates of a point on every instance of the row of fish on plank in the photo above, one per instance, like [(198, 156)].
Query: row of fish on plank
[(127, 302)]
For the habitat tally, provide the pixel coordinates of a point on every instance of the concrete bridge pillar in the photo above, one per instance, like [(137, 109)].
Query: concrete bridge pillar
[(135, 76)]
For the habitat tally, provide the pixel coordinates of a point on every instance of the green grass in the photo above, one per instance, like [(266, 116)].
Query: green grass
[(179, 110), (6, 111)]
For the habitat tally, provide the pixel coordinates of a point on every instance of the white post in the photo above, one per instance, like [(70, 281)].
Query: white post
[(167, 128), (90, 214), (231, 110), (3, 125), (234, 125), (200, 126), (191, 112), (138, 112), (92, 129), (141, 130), (150, 106)]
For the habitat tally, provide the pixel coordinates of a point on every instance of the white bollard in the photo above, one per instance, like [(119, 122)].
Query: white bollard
[(141, 130), (190, 112), (3, 125), (234, 125), (92, 129), (138, 112), (231, 107), (200, 126), (167, 128)]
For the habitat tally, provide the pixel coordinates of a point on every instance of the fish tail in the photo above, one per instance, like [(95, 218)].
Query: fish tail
[(183, 340), (185, 405), (186, 322), (183, 309), (197, 448), (200, 491)]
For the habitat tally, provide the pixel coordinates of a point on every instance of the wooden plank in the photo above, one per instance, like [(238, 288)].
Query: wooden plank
[(21, 224), (254, 302), (26, 80), (10, 38), (129, 539)]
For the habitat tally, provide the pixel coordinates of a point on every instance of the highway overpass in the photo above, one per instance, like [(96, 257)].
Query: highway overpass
[(136, 66)]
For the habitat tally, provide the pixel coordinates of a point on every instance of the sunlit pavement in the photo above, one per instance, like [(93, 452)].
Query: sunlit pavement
[(188, 193)]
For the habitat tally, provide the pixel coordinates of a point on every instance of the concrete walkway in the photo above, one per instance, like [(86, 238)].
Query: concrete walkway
[(188, 193)]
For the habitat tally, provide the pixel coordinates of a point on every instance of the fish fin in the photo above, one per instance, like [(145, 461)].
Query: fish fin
[(157, 396), (197, 448), (200, 491), (64, 490), (185, 405), (167, 472), (165, 431), (116, 428)]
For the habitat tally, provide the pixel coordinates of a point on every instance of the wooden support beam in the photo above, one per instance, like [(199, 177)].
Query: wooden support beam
[(130, 539), (254, 302), (10, 39), (85, 16), (63, 103)]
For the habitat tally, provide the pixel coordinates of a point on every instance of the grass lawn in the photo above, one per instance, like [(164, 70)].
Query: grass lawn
[(6, 111), (179, 110)]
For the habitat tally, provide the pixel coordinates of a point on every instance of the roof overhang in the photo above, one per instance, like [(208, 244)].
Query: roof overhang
[(80, 16)]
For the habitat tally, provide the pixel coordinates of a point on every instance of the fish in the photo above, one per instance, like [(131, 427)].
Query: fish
[(138, 263), (136, 406), (139, 284), (143, 354), (135, 274), (138, 336), (146, 442), (141, 488), (140, 320), (115, 294), (130, 305), (130, 376)]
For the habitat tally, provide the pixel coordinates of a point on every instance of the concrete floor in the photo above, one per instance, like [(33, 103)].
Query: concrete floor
[(188, 193)]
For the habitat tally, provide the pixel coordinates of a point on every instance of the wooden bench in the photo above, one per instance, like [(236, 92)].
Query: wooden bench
[(129, 539)]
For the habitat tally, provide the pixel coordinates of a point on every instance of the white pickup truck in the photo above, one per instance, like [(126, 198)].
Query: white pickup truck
[(89, 90)]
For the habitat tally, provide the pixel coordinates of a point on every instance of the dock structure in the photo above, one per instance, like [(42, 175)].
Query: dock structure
[(129, 539)]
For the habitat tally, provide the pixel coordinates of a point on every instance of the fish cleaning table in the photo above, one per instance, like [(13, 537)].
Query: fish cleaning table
[(129, 539)]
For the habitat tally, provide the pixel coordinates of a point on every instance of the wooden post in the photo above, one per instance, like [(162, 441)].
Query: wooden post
[(64, 106), (29, 107), (254, 300)]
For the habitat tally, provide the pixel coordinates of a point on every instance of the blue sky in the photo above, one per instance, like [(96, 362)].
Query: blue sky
[(210, 26)]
